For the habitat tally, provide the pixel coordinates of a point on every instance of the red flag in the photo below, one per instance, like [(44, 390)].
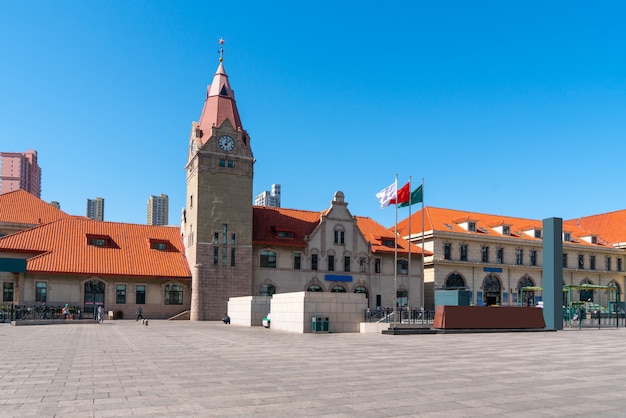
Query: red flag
[(404, 195)]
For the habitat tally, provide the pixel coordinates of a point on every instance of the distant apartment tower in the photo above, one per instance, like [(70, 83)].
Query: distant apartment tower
[(19, 170), (269, 198), (158, 210), (95, 209)]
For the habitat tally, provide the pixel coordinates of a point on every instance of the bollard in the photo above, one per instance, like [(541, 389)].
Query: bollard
[(146, 322)]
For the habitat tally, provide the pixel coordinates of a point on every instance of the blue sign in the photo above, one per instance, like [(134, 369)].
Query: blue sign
[(493, 269), (336, 278)]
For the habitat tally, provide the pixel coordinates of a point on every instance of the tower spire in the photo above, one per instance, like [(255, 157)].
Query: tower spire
[(221, 41), (220, 104)]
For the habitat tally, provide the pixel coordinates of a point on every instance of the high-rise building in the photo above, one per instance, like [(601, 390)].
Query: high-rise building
[(158, 210), (19, 170), (269, 198), (95, 209)]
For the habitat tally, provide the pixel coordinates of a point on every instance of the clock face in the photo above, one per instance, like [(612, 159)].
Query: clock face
[(226, 143)]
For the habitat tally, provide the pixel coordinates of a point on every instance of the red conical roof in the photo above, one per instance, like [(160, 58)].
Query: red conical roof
[(219, 105)]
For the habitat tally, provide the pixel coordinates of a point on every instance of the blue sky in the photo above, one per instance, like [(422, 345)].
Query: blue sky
[(511, 108)]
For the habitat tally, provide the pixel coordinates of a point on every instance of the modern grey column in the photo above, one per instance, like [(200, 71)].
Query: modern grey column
[(553, 273)]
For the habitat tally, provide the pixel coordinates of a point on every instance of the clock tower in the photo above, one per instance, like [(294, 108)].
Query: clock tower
[(217, 219)]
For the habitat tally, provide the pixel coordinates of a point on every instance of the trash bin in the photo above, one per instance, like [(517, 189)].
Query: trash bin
[(325, 325), (316, 324)]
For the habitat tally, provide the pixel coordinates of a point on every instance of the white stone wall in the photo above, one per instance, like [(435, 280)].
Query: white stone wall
[(293, 312), (248, 310)]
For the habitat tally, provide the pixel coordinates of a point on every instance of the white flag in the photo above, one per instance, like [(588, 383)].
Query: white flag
[(386, 195)]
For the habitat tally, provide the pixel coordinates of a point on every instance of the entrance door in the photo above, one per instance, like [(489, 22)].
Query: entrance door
[(94, 297), (491, 290)]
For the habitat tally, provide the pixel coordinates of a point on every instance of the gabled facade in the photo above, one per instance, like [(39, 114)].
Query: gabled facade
[(332, 251), (495, 256)]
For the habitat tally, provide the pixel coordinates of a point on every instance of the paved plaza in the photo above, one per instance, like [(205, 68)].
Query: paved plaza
[(204, 369)]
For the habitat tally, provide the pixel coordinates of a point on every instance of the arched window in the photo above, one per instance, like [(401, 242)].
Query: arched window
[(616, 285), (315, 288), (613, 296), (267, 290), (455, 281), (173, 294), (491, 290), (340, 235), (402, 297), (528, 296), (362, 289), (585, 295), (338, 289)]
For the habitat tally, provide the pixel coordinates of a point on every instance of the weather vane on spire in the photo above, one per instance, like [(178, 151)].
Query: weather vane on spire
[(221, 41)]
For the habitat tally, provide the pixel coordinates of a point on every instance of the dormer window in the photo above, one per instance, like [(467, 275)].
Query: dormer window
[(537, 233), (465, 223), (388, 242), (100, 240), (284, 234), (567, 237), (160, 245), (506, 230), (591, 239)]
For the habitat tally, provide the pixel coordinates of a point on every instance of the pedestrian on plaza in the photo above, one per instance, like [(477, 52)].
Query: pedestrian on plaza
[(100, 314), (139, 313), (226, 319), (66, 311)]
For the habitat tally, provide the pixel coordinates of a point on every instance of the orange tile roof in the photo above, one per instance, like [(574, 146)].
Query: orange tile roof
[(21, 207), (375, 232), (301, 223), (62, 247), (267, 221), (447, 220), (609, 226)]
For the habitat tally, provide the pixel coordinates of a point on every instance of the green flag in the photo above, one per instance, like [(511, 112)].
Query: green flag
[(417, 196)]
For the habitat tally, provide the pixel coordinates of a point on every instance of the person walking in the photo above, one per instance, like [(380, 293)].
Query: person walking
[(66, 311), (100, 314), (139, 313)]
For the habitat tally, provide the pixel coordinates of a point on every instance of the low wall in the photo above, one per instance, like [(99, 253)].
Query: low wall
[(248, 310), (373, 327), (488, 317), (293, 312)]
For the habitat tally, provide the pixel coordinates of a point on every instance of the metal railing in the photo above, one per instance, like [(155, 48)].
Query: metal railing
[(404, 315), (580, 318), (10, 313)]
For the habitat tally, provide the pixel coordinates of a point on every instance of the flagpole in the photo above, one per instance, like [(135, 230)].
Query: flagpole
[(423, 249), (395, 269), (408, 306)]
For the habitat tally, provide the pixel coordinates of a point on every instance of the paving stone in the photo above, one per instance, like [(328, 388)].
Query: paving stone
[(204, 369)]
